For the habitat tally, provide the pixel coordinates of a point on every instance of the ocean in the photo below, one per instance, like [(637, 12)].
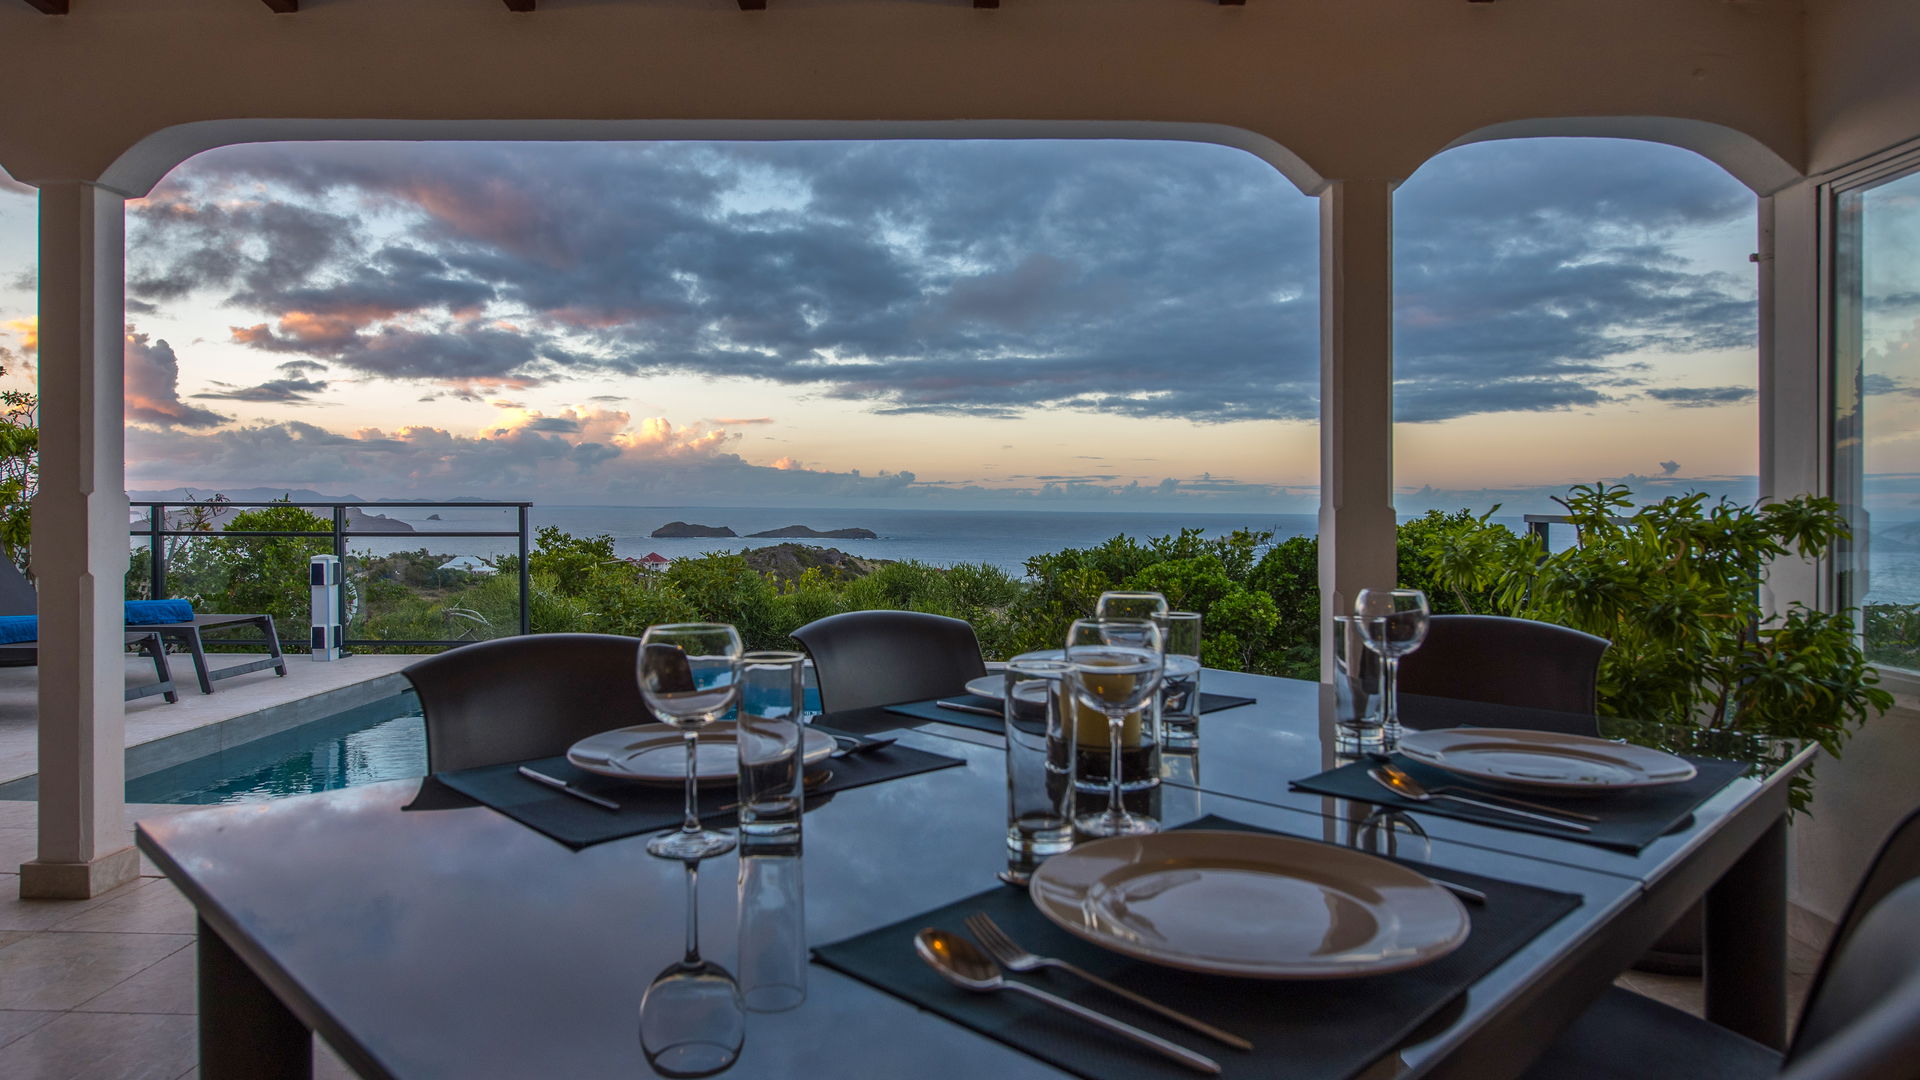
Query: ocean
[(1001, 538)]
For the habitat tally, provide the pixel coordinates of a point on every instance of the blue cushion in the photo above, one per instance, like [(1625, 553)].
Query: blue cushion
[(158, 611), (17, 628)]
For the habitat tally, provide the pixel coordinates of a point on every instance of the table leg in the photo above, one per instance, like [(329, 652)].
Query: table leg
[(245, 1032), (1746, 942)]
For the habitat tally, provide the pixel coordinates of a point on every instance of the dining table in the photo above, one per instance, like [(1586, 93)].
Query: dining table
[(423, 934)]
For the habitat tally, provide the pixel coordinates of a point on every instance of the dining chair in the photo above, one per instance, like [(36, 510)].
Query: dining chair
[(1861, 1020), (515, 698), (1496, 660), (867, 658)]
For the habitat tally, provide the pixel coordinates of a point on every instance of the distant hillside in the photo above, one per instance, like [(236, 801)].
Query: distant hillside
[(789, 561), (804, 532)]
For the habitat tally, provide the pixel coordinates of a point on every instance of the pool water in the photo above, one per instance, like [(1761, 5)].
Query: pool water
[(382, 740)]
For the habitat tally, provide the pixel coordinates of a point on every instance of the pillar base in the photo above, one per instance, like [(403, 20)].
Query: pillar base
[(78, 881)]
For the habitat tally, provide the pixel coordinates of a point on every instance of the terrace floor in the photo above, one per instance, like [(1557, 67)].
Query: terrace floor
[(155, 728)]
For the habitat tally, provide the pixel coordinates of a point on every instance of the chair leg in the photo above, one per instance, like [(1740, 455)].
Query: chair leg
[(273, 646), (192, 634), (157, 649)]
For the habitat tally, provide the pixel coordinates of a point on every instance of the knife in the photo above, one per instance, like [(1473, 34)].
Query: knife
[(560, 785), (960, 706), (857, 746)]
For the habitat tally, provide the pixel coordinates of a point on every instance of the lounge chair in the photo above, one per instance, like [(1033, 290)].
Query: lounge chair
[(27, 654), (17, 597)]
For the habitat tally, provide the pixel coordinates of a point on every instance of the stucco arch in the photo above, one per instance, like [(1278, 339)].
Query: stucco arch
[(1744, 157), (135, 172)]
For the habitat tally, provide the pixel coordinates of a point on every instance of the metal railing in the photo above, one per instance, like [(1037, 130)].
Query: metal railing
[(158, 528)]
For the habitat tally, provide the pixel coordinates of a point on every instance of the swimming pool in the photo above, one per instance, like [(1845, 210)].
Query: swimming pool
[(381, 740)]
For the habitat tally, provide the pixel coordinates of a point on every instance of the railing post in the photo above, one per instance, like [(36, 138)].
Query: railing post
[(157, 581), (526, 602), (340, 550)]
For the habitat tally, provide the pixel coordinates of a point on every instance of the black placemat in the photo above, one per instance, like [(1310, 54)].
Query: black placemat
[(647, 808), (1305, 1030), (1629, 820), (930, 710)]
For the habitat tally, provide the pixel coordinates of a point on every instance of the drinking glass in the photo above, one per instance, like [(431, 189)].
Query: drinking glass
[(1394, 623), (1356, 689), (1039, 725), (768, 738), (1116, 669), (689, 676), (1179, 698), (1129, 605), (692, 1019), (772, 932)]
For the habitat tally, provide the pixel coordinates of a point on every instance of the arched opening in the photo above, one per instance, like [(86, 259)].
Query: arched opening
[(1572, 310)]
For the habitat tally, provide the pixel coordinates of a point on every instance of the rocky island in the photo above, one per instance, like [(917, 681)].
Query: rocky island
[(682, 529), (802, 532)]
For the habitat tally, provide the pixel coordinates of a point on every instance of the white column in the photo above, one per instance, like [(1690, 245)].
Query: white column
[(1356, 397), (80, 545), (1795, 400)]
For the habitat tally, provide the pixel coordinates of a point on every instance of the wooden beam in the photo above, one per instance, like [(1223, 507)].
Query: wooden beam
[(1234, 3), (521, 5), (986, 3), (753, 5), (283, 7), (49, 7)]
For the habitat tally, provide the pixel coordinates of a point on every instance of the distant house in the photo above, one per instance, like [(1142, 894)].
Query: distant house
[(654, 561), (467, 564)]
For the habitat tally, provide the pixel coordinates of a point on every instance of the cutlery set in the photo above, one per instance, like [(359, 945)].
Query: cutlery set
[(959, 962)]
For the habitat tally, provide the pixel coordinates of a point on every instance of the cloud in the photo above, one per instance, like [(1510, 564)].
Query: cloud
[(27, 329), (1668, 468), (281, 390), (1702, 397), (979, 279), (743, 421), (153, 386)]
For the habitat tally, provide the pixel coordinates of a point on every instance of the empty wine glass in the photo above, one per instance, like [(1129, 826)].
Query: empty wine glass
[(689, 677), (1394, 623), (1130, 605), (692, 1018), (1116, 668)]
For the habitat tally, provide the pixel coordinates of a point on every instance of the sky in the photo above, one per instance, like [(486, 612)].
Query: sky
[(1111, 325)]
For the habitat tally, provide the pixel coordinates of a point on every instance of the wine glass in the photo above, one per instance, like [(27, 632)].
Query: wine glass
[(689, 677), (1393, 623), (1130, 605), (1116, 668), (693, 1020)]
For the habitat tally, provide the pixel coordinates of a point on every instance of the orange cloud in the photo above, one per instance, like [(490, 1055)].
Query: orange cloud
[(27, 330)]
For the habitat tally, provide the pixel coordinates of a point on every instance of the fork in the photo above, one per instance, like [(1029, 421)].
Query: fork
[(1014, 958)]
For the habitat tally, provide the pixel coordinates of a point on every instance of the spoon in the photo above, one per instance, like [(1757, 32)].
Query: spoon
[(959, 962), (1408, 788), (1387, 766)]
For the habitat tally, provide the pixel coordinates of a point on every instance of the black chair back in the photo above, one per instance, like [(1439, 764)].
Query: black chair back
[(1895, 867), (867, 658), (1863, 1021), (1503, 661), (516, 698)]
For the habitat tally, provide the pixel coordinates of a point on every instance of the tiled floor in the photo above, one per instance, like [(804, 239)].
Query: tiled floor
[(100, 989), (152, 718)]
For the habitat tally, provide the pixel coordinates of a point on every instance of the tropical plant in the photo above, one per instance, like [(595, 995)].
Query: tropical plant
[(1675, 585), (19, 472)]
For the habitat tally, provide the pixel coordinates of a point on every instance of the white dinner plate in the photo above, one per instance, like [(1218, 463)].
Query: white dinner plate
[(657, 754), (1251, 905), (1544, 760), (993, 685)]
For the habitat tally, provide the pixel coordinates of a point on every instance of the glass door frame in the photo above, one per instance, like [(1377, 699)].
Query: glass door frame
[(1840, 358)]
